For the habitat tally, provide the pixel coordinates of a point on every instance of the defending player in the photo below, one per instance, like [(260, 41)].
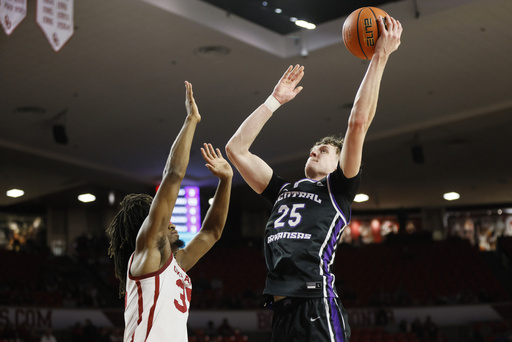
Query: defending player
[(309, 216), (149, 263)]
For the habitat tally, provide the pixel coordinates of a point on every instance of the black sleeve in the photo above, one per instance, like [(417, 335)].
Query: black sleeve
[(343, 186), (272, 190)]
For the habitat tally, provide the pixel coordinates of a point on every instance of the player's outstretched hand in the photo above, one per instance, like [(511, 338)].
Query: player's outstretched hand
[(216, 163), (389, 39), (190, 103), (286, 89)]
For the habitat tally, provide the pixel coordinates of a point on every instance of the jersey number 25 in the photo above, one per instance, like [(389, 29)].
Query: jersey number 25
[(290, 216)]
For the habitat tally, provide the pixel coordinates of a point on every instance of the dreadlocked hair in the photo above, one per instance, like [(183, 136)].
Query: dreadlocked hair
[(123, 232), (334, 140)]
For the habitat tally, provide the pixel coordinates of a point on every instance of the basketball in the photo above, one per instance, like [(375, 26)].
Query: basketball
[(361, 31)]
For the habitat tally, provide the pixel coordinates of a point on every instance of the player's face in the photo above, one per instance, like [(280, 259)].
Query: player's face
[(173, 233), (322, 160)]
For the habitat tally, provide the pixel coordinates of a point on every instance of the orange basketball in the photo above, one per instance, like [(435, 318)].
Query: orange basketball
[(361, 31)]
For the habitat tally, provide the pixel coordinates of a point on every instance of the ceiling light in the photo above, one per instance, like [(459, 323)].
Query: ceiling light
[(361, 198), (278, 10), (86, 198), (111, 198), (15, 193), (293, 19), (305, 24), (451, 196)]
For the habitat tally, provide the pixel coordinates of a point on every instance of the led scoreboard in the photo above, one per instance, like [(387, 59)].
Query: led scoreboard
[(187, 213)]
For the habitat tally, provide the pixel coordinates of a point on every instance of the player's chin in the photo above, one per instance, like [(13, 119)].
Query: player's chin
[(179, 243), (309, 169)]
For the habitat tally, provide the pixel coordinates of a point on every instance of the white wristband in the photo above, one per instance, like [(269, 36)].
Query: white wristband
[(272, 103)]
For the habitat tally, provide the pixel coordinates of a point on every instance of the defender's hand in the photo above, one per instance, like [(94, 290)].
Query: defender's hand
[(215, 162), (190, 103)]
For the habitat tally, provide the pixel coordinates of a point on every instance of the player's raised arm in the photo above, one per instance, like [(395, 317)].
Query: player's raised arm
[(156, 225), (254, 170), (216, 216), (365, 103)]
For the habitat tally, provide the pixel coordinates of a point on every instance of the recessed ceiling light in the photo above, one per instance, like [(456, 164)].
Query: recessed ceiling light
[(86, 198), (305, 24), (361, 198), (15, 193), (111, 198), (451, 196)]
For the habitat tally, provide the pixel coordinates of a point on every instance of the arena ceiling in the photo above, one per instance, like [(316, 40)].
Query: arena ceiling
[(102, 112)]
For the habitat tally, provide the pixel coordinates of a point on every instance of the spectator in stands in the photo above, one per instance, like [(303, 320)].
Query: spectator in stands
[(90, 331), (9, 332), (145, 245), (48, 336), (225, 328), (392, 327), (417, 328), (210, 330), (77, 332), (381, 317), (104, 334), (430, 329), (404, 326), (26, 333), (116, 334), (17, 240)]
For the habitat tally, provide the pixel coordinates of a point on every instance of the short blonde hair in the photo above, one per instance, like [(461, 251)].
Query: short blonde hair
[(334, 140)]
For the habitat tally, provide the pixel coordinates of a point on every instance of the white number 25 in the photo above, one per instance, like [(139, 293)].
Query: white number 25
[(293, 216)]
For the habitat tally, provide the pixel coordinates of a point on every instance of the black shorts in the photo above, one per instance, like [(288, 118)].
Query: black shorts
[(309, 319)]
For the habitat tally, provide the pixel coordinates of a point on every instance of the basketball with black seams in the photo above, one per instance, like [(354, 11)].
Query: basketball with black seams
[(361, 31)]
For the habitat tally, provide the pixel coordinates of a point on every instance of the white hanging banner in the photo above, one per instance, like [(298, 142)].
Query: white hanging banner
[(55, 18), (12, 13)]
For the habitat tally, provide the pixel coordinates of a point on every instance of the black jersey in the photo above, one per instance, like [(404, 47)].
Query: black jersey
[(303, 231)]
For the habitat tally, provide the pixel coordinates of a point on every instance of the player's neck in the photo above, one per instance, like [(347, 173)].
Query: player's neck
[(317, 176)]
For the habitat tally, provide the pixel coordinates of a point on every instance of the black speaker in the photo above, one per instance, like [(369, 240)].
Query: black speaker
[(59, 134), (417, 154)]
